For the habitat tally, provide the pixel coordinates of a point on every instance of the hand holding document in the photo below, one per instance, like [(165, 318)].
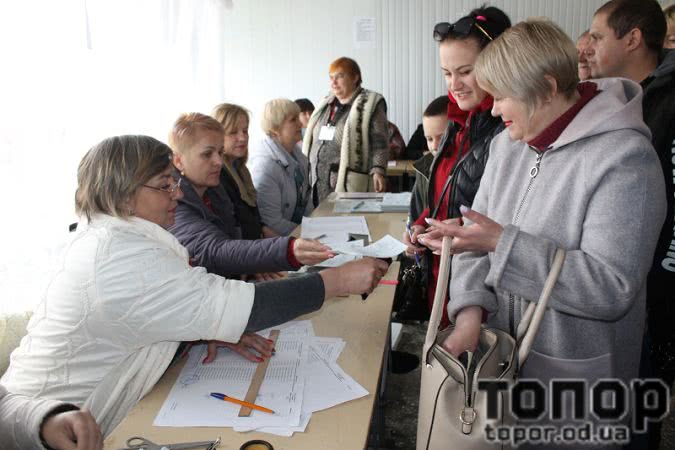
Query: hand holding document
[(387, 247)]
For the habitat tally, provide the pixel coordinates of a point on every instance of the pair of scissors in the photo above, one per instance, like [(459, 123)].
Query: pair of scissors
[(141, 443)]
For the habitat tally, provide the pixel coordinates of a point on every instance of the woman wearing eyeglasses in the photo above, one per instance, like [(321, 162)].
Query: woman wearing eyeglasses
[(347, 137), (458, 166), (125, 295)]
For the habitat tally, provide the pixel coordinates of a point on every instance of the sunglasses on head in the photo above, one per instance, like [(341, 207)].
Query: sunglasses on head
[(462, 27)]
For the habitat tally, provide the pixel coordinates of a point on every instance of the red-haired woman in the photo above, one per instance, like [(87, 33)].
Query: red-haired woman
[(347, 139)]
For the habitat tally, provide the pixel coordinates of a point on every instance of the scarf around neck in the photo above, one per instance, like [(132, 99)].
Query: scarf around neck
[(242, 177)]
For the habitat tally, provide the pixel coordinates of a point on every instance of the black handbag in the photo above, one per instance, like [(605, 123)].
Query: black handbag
[(410, 297)]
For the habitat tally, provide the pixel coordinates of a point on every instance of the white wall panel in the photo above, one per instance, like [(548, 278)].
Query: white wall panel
[(282, 48)]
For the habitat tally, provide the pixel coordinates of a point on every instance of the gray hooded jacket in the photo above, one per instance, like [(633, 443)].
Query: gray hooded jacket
[(599, 194)]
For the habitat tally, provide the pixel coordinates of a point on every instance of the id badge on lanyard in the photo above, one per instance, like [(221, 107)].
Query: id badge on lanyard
[(327, 133)]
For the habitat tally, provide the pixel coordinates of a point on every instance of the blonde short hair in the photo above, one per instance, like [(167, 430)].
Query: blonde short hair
[(275, 112), (112, 170), (514, 64), (669, 12), (228, 114), (184, 131)]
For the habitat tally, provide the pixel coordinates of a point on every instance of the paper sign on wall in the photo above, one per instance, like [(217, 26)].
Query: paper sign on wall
[(364, 30)]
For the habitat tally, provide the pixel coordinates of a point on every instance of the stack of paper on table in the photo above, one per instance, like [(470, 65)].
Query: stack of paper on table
[(302, 377), (399, 202), (333, 229), (348, 206), (359, 195), (388, 202)]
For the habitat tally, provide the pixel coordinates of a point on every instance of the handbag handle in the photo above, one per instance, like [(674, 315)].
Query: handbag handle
[(439, 296), (529, 326)]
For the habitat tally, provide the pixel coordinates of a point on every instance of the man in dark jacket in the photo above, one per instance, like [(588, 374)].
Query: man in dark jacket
[(626, 41)]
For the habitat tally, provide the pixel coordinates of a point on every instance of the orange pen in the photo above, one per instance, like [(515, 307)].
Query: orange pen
[(227, 398)]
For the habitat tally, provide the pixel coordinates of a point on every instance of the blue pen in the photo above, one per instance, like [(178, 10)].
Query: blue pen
[(407, 227), (358, 205)]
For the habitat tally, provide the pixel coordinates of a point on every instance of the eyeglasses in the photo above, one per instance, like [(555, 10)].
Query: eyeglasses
[(462, 27), (173, 187)]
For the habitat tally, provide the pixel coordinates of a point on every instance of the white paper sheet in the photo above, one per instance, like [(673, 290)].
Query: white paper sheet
[(333, 238), (328, 347), (395, 202), (303, 377), (354, 248), (189, 404), (338, 260), (361, 195), (387, 247), (349, 206), (327, 385), (316, 226), (364, 32), (293, 327)]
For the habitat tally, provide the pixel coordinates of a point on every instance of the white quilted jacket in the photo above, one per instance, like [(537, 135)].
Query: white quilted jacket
[(122, 299)]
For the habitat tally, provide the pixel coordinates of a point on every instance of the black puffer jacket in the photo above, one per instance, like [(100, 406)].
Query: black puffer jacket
[(468, 171), (658, 105)]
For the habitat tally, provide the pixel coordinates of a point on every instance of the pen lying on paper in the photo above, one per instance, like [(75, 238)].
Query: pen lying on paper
[(240, 402)]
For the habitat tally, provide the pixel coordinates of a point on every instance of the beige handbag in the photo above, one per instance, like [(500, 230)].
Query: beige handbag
[(452, 411)]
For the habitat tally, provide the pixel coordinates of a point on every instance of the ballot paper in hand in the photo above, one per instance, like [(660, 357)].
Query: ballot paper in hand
[(387, 247), (337, 260)]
